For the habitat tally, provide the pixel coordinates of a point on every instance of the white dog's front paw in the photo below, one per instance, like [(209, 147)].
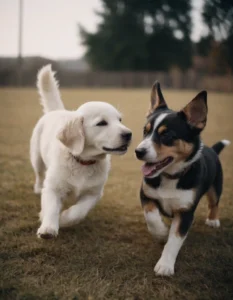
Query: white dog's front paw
[(163, 268), (37, 189), (213, 223), (41, 216), (47, 232)]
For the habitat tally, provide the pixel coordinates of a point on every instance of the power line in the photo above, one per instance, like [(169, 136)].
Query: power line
[(20, 34)]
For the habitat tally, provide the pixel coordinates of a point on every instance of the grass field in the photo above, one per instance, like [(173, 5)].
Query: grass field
[(110, 255)]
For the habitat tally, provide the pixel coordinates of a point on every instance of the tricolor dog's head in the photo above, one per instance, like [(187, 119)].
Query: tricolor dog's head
[(94, 130), (171, 139)]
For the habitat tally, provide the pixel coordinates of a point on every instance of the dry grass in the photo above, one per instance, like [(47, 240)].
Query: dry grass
[(110, 255)]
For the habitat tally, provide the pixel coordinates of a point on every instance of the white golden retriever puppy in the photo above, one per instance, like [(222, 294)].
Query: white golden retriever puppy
[(73, 148)]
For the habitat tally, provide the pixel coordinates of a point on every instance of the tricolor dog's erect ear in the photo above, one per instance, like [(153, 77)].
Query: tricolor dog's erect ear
[(72, 135), (157, 99), (196, 111)]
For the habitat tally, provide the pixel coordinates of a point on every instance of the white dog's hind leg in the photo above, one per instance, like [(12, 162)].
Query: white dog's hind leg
[(36, 159), (39, 169), (50, 212), (79, 211)]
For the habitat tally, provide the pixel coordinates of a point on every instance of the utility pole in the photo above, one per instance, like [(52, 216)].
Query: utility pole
[(20, 34)]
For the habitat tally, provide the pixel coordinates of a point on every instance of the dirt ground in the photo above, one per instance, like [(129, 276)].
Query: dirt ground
[(110, 255)]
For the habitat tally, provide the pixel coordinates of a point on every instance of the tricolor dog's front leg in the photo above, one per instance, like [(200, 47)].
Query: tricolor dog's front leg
[(178, 232), (153, 218)]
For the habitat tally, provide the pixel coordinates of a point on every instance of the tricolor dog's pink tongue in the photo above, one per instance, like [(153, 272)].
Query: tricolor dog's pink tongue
[(147, 168)]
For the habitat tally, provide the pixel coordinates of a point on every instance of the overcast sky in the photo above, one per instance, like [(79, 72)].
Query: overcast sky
[(50, 26)]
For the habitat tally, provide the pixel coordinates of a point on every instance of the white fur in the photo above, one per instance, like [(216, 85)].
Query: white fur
[(59, 136), (147, 143), (48, 89), (213, 223), (165, 265), (170, 198), (155, 224), (160, 119), (78, 212), (226, 142)]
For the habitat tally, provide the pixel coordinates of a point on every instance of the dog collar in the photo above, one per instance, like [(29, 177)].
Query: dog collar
[(176, 175), (84, 162)]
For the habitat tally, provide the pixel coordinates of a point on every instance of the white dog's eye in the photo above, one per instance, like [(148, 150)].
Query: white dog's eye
[(120, 119), (102, 123)]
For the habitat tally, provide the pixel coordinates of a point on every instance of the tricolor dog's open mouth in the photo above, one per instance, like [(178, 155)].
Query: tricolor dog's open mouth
[(149, 169), (123, 148)]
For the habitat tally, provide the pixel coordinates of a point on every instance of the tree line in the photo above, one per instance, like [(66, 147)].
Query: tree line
[(149, 35)]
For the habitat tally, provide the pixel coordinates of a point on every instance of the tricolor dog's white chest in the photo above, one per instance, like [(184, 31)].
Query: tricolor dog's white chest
[(170, 198)]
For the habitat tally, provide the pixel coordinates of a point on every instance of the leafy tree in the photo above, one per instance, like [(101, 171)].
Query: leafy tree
[(140, 35), (203, 47), (218, 15)]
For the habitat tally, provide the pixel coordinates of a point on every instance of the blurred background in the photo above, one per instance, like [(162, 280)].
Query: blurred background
[(112, 51), (186, 44)]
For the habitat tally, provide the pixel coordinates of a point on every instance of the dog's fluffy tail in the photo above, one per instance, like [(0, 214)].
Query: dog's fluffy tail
[(219, 146), (48, 88)]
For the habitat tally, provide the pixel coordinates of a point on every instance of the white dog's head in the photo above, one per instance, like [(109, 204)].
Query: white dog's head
[(95, 129)]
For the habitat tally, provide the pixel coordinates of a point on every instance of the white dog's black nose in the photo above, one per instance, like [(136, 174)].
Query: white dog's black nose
[(126, 136), (140, 152)]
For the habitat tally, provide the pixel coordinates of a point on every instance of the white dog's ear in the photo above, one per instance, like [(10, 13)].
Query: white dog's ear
[(72, 135)]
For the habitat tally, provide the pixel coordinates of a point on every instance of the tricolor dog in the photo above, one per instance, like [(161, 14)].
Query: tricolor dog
[(178, 171), (72, 149)]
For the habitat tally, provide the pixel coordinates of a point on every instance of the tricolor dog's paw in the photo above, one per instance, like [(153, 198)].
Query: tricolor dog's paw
[(160, 235), (163, 234), (213, 223), (47, 232), (163, 268)]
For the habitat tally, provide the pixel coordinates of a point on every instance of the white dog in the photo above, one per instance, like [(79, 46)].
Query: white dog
[(73, 147)]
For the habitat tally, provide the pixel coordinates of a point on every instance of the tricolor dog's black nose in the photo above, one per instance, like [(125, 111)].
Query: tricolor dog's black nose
[(126, 136), (140, 152)]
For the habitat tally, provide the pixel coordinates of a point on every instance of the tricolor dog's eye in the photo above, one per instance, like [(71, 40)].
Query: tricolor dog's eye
[(102, 123), (147, 129), (167, 137), (120, 119)]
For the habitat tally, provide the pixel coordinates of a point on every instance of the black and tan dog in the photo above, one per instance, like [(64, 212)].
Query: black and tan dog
[(178, 171)]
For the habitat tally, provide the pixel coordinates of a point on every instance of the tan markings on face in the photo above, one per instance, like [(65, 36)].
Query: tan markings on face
[(183, 149), (179, 151), (212, 204), (148, 127), (162, 129)]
